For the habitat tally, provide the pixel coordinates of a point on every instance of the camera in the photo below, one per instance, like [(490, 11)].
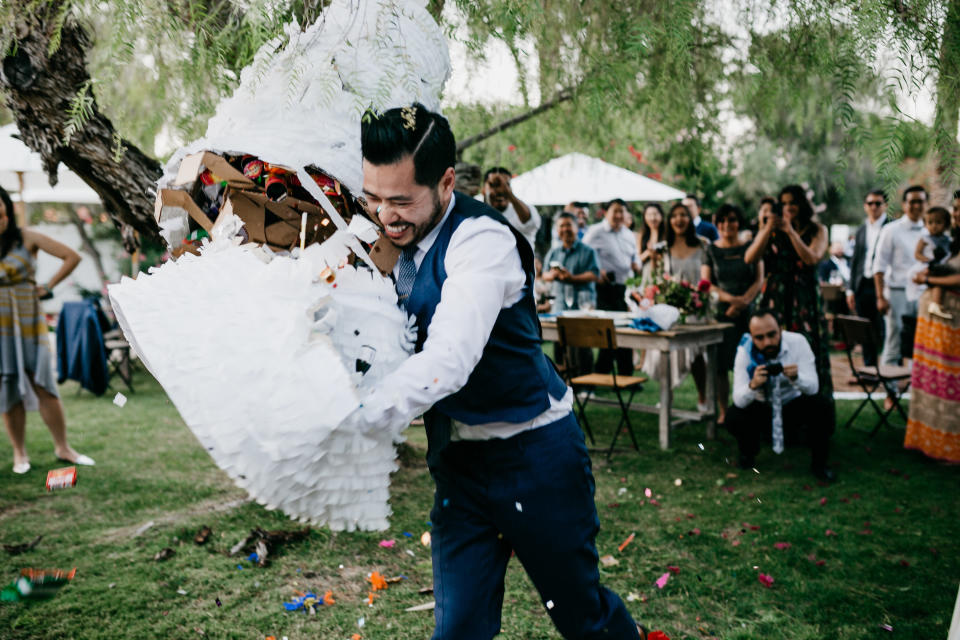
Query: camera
[(774, 369)]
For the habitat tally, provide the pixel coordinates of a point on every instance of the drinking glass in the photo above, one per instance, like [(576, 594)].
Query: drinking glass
[(568, 296), (586, 301)]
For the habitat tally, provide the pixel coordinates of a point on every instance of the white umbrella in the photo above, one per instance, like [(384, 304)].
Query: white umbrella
[(576, 177), (21, 173)]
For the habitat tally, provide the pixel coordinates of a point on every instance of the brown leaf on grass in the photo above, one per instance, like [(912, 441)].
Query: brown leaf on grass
[(202, 535), (17, 549), (164, 554)]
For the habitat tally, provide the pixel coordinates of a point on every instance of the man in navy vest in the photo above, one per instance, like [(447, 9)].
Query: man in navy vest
[(508, 458)]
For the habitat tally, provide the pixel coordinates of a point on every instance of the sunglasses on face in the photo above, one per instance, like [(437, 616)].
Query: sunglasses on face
[(916, 201), (874, 203)]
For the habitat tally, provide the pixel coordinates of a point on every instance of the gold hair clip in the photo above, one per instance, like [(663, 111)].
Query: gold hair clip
[(409, 115)]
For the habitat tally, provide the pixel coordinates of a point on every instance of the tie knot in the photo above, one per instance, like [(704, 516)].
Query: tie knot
[(409, 252)]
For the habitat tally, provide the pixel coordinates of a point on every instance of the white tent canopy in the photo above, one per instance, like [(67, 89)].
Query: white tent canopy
[(576, 177), (18, 162)]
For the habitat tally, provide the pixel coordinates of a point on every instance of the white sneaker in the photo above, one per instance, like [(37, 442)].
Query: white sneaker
[(702, 407), (935, 310), (21, 468)]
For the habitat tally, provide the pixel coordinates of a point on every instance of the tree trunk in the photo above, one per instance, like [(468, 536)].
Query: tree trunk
[(40, 89), (947, 113), (88, 247)]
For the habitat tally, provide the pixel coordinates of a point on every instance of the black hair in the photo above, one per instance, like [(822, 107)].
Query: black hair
[(500, 170), (690, 236), (618, 201), (647, 232), (760, 312), (956, 194), (876, 192), (566, 215), (693, 197), (726, 210), (915, 189), (940, 212), (11, 237), (800, 198), (415, 131)]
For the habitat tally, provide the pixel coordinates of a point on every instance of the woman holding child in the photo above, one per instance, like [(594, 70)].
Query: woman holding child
[(933, 426)]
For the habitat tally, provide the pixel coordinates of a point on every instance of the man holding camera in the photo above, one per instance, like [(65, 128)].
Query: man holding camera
[(775, 395)]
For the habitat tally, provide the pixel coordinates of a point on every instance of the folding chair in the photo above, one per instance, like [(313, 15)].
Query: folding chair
[(857, 330), (118, 356), (598, 333)]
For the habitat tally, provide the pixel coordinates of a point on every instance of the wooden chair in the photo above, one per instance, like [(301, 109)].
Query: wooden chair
[(857, 330), (598, 333)]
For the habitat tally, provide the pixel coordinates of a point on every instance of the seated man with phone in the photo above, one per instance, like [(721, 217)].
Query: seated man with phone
[(775, 395)]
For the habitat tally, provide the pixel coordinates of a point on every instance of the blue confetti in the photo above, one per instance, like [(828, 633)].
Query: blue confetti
[(446, 501), (253, 557), (408, 534), (239, 567)]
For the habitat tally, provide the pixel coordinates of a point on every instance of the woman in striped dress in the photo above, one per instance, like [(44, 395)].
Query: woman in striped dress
[(28, 381)]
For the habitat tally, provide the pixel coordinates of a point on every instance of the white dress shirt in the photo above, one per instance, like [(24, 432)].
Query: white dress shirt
[(794, 349), (616, 250), (484, 275), (873, 233), (527, 229), (895, 251)]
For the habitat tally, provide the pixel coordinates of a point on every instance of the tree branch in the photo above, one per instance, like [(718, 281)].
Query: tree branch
[(562, 96), (39, 89)]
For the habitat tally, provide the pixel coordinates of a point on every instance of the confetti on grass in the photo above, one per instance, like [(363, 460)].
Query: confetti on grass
[(662, 580), (119, 399)]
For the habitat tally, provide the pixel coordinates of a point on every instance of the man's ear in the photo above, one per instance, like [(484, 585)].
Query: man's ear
[(447, 181)]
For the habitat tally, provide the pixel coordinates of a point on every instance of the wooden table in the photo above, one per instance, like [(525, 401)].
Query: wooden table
[(680, 337)]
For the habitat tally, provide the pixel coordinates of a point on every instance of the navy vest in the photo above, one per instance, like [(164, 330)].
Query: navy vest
[(514, 380)]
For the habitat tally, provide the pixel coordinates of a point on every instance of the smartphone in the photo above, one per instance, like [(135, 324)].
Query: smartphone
[(556, 265)]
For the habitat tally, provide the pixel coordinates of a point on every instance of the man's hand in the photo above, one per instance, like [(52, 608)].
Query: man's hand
[(851, 304), (560, 274), (882, 304), (791, 371), (920, 277), (759, 377)]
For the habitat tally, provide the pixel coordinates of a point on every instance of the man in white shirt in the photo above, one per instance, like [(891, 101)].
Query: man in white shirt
[(616, 248), (862, 294), (497, 194), (775, 395), (505, 451), (894, 258)]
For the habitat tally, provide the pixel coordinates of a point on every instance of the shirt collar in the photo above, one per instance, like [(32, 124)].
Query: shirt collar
[(428, 240), (696, 221)]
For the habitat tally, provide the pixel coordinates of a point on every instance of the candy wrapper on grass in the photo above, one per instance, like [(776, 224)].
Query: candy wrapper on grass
[(36, 584)]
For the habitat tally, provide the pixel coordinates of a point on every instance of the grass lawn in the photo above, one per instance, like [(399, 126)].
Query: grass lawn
[(894, 558)]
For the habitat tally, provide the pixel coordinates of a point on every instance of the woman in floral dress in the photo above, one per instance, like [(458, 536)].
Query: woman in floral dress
[(791, 243)]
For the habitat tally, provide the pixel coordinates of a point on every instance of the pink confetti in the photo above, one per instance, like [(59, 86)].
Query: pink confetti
[(736, 542), (662, 580), (823, 501), (830, 532), (387, 543), (691, 516), (672, 569), (647, 492), (695, 531), (886, 627), (820, 563), (782, 545), (766, 580), (727, 489)]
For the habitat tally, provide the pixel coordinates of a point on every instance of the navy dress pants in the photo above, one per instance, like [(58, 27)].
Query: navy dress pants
[(532, 494)]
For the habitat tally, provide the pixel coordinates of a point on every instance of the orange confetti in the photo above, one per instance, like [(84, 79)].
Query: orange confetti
[(370, 598), (623, 545), (356, 636), (328, 598), (377, 581)]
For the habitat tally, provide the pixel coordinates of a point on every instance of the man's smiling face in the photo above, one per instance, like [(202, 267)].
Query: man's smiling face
[(407, 210)]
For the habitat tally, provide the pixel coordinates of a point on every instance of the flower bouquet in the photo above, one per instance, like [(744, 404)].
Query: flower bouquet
[(689, 300)]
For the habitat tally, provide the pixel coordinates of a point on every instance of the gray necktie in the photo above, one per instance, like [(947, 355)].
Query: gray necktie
[(776, 402), (406, 274)]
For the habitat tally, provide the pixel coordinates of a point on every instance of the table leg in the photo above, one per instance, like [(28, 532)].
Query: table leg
[(711, 391), (666, 398)]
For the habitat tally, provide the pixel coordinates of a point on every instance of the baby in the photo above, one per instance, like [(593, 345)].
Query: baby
[(933, 248)]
